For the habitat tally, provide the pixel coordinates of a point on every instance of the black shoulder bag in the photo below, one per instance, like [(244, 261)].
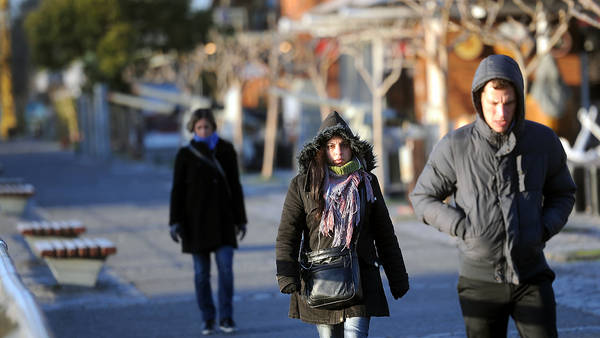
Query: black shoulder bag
[(331, 278)]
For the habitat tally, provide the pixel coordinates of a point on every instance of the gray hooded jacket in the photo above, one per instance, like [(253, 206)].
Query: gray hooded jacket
[(511, 192)]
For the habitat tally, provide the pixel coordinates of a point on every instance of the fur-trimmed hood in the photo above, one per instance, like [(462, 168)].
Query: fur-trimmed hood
[(334, 125)]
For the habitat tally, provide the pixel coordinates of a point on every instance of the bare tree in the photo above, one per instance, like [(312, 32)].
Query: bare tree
[(233, 59), (272, 112), (548, 22), (378, 86), (317, 56), (240, 53), (435, 22), (587, 11), (545, 24)]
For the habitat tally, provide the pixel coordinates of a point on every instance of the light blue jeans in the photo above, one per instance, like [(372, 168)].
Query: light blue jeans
[(224, 259), (354, 327)]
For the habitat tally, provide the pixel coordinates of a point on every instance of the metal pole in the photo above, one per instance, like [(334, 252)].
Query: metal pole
[(8, 120), (272, 112), (585, 80)]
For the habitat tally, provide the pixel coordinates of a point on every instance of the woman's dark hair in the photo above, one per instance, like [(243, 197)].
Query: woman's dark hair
[(316, 172), (317, 169), (199, 114)]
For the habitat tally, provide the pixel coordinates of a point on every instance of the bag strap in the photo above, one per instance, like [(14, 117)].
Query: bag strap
[(213, 162), (303, 252)]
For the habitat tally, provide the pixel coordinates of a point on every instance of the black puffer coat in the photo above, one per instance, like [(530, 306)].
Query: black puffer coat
[(200, 202), (512, 192), (377, 243)]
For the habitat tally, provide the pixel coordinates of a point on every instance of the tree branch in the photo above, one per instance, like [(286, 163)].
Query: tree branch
[(359, 64), (588, 5), (526, 9), (555, 37), (389, 81)]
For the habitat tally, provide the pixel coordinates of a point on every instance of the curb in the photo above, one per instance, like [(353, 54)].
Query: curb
[(574, 255)]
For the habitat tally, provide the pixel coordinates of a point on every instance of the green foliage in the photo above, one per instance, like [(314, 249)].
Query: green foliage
[(113, 49), (61, 31), (166, 24), (105, 34)]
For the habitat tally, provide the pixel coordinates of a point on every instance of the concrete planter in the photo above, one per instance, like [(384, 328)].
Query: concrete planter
[(75, 271), (13, 205), (14, 197)]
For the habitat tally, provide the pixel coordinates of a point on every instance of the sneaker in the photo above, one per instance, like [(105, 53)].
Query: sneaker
[(209, 327), (227, 325)]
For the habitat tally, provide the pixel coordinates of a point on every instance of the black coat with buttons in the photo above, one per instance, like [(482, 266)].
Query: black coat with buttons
[(200, 201)]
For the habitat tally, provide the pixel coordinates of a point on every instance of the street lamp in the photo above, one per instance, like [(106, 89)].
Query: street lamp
[(210, 48), (285, 47)]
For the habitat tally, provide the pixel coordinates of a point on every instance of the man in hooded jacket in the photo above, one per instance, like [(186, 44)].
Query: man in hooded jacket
[(512, 191)]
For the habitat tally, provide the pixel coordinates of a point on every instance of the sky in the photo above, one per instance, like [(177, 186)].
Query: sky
[(200, 4)]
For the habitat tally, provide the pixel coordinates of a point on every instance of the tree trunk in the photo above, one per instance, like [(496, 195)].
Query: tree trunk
[(272, 116), (234, 117), (437, 91), (377, 59), (270, 137)]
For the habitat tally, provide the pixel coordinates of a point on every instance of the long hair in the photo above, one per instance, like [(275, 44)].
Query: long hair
[(316, 173), (199, 114)]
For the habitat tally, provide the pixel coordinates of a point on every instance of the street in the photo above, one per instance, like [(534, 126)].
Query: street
[(146, 289)]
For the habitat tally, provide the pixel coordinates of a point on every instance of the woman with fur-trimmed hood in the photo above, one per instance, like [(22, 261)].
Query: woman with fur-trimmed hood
[(332, 199)]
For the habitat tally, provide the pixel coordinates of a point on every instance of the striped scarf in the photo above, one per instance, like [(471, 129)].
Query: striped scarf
[(342, 202)]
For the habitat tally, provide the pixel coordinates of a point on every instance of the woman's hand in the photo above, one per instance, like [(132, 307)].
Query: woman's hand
[(400, 291), (288, 284), (174, 231), (240, 230)]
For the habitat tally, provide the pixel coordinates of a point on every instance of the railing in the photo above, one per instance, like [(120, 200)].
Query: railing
[(584, 161), (20, 315)]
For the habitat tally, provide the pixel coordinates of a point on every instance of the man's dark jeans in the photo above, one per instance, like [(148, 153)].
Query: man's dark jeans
[(487, 306)]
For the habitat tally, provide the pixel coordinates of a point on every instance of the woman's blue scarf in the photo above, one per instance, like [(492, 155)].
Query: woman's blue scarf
[(210, 141)]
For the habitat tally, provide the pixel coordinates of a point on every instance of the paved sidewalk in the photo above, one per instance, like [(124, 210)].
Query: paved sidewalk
[(146, 289)]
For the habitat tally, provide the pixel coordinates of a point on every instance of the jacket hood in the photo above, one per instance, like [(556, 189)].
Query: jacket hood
[(334, 125), (499, 67)]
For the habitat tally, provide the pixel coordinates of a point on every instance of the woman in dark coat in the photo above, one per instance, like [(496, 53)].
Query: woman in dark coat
[(322, 203), (207, 211)]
